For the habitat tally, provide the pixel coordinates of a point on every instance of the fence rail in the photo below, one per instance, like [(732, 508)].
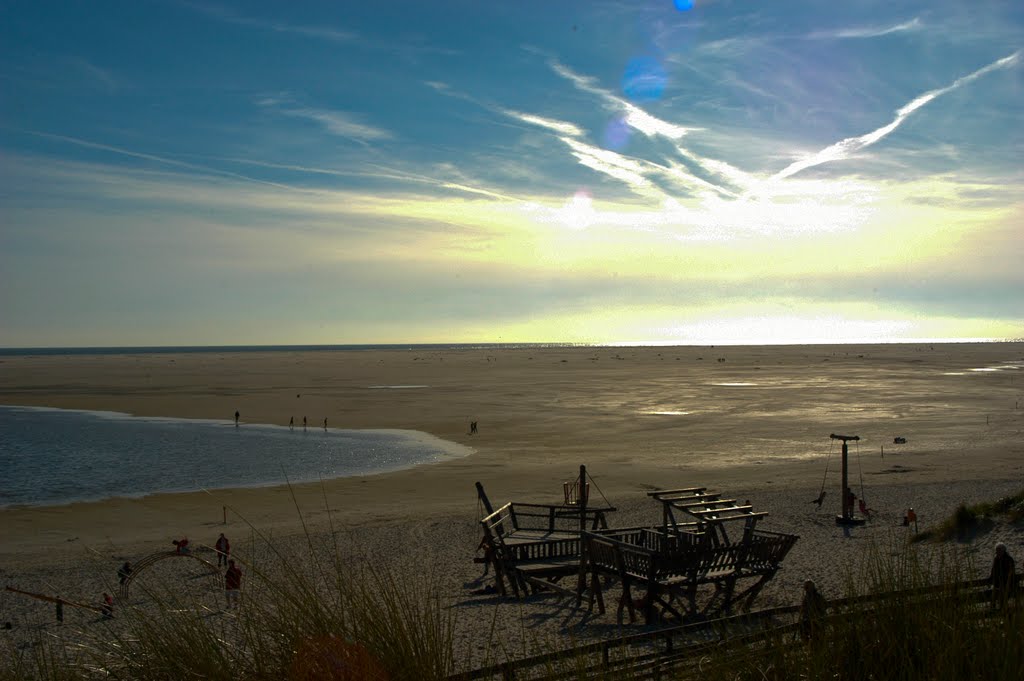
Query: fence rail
[(650, 655)]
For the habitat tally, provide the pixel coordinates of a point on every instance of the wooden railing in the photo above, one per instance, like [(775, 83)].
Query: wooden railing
[(654, 655)]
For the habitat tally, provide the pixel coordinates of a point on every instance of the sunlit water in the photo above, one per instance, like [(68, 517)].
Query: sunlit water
[(55, 456)]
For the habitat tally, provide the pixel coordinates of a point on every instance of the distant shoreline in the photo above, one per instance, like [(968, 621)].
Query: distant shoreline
[(356, 347)]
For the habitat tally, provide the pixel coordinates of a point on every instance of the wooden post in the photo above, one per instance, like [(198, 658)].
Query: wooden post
[(224, 509), (581, 507), (581, 498), (847, 517), (483, 497)]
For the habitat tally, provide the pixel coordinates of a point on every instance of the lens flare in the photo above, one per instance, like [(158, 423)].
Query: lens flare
[(616, 134), (644, 79)]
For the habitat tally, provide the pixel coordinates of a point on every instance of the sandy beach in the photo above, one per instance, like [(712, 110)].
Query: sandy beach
[(751, 421)]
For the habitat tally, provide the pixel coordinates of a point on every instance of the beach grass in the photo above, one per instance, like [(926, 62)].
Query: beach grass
[(928, 628), (968, 520), (312, 610)]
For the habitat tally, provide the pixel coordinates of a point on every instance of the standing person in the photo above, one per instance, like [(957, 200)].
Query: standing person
[(303, 422), (232, 584), (812, 611), (1003, 576), (223, 547), (236, 418), (123, 572), (291, 422), (325, 423)]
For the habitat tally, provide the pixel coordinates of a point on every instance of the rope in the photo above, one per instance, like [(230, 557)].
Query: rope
[(598, 488), (860, 469), (827, 461)]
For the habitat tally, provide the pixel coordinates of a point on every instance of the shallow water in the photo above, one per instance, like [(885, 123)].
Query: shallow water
[(56, 456)]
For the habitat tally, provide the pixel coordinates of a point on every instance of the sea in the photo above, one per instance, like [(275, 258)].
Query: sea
[(59, 456), (56, 456)]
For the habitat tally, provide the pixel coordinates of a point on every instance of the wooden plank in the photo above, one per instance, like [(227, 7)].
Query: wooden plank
[(658, 493), (54, 599)]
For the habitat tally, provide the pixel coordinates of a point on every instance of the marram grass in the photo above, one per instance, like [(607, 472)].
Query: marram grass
[(312, 617)]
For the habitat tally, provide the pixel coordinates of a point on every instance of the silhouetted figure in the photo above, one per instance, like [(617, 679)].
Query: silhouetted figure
[(472, 427), (812, 611), (291, 422), (124, 572), (232, 584), (303, 422), (910, 519), (60, 611), (1003, 577), (223, 547), (325, 423), (236, 418)]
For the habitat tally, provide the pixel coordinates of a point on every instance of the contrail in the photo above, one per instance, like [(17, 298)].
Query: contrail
[(158, 159), (850, 145)]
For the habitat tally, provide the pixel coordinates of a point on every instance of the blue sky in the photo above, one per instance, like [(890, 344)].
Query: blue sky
[(189, 173)]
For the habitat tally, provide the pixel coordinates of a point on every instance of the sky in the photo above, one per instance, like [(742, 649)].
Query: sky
[(178, 172)]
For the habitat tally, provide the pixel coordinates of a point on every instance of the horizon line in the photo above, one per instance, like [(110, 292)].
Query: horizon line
[(312, 347)]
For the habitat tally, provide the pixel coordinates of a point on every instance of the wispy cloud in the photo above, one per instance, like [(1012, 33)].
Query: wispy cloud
[(226, 15), (99, 75), (342, 124), (849, 146), (640, 120), (633, 116), (561, 127), (608, 162), (153, 157), (869, 31)]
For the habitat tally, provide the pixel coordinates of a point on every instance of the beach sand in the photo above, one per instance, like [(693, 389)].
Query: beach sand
[(753, 422)]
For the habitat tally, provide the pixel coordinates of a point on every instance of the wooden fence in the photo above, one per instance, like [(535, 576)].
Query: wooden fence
[(654, 655)]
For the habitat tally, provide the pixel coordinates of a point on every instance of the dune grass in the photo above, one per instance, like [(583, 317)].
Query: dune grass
[(303, 616), (314, 615), (967, 521)]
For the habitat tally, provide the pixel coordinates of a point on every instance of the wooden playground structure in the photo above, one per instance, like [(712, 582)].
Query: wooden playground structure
[(154, 558), (704, 540), (125, 582), (534, 546)]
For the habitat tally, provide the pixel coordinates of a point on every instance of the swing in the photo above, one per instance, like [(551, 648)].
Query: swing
[(861, 502), (821, 495)]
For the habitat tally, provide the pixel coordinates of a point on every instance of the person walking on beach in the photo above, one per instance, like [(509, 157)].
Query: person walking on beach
[(232, 584), (236, 418), (1003, 577), (325, 423), (223, 547), (812, 611), (291, 422), (303, 422)]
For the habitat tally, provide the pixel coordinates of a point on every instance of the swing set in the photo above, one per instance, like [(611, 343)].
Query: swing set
[(847, 515)]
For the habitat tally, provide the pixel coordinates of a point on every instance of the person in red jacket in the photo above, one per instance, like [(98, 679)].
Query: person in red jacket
[(232, 584), (223, 547)]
